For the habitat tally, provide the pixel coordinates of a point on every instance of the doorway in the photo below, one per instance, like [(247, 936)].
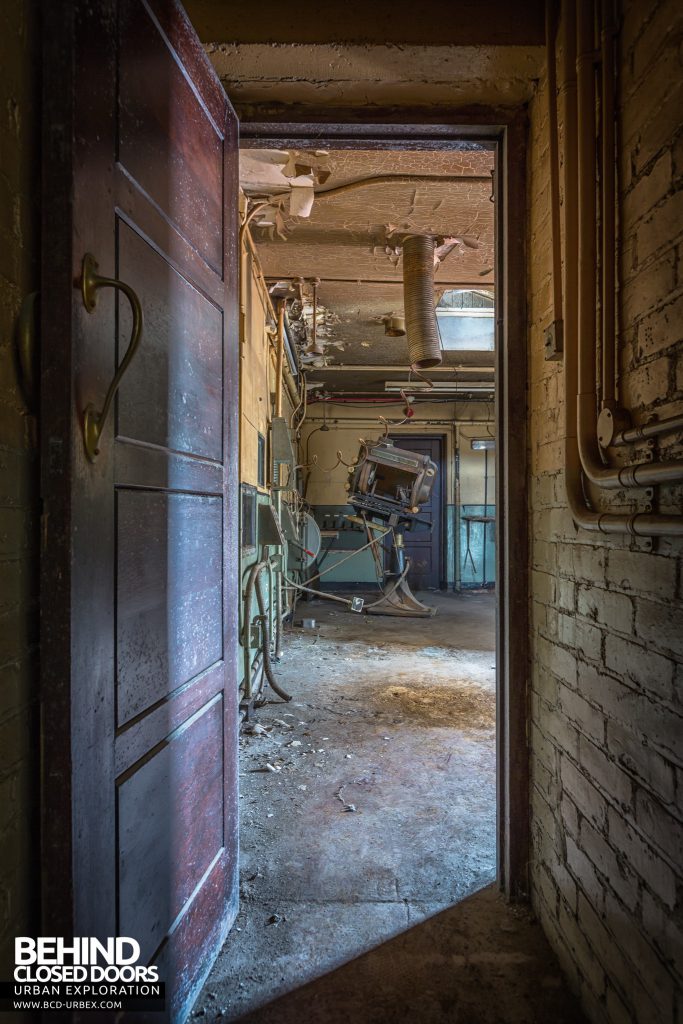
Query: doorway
[(419, 129), (425, 548), (347, 792)]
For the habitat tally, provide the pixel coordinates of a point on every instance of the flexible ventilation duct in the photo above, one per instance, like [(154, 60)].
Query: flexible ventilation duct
[(418, 295)]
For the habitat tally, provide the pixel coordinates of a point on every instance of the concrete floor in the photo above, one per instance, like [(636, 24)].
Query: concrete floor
[(368, 807)]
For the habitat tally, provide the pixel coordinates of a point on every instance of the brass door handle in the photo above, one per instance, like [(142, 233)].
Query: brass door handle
[(90, 282)]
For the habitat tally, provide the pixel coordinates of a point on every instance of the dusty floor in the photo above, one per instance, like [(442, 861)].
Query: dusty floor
[(368, 806)]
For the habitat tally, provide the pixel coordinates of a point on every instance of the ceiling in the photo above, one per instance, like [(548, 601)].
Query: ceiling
[(472, 23), (352, 240)]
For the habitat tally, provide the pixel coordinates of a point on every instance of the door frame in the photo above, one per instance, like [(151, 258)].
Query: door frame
[(441, 439), (505, 129)]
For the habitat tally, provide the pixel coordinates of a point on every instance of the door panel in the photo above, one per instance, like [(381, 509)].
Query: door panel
[(140, 584), (424, 548), (161, 110), (170, 814), (173, 394), (169, 594)]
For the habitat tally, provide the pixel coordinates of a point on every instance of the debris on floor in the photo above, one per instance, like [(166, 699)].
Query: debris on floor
[(345, 805), (377, 810), (254, 729)]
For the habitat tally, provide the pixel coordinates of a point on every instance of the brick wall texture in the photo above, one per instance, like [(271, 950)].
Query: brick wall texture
[(18, 484), (606, 614)]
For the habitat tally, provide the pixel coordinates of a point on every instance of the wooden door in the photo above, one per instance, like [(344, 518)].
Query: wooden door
[(425, 547), (140, 546)]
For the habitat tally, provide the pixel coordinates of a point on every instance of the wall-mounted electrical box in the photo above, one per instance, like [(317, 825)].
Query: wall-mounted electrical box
[(270, 529), (553, 340), (283, 452), (248, 506)]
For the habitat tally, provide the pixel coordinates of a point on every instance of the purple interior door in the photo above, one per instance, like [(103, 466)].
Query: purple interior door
[(140, 578), (425, 548)]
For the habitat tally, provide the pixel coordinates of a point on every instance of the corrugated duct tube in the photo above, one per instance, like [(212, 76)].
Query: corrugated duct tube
[(418, 296)]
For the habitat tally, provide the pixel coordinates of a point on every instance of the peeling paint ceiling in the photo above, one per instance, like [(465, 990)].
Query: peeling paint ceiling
[(352, 240)]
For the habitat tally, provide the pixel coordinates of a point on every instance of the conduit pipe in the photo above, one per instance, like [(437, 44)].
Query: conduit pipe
[(608, 186), (280, 357), (379, 179), (648, 430), (291, 387), (402, 179), (304, 405), (553, 147), (642, 474), (254, 584), (641, 524)]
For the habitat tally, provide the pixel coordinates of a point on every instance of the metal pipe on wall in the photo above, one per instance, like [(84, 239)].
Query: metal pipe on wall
[(280, 357), (587, 248), (633, 434), (639, 475), (608, 186), (642, 524), (553, 146), (291, 387)]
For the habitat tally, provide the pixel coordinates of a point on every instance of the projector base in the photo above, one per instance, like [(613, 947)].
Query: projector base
[(402, 602)]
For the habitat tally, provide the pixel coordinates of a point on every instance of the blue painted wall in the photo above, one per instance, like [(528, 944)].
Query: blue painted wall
[(477, 561)]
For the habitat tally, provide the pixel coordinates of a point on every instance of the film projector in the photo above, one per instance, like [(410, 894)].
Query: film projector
[(387, 487)]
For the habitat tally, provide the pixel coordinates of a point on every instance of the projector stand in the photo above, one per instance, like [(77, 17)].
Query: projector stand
[(397, 597)]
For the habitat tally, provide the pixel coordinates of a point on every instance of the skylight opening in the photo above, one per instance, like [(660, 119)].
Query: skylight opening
[(466, 319)]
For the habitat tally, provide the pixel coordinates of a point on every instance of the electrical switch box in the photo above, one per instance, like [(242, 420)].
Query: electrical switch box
[(553, 341)]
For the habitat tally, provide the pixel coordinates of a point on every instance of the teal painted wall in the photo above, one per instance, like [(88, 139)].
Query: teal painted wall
[(477, 547)]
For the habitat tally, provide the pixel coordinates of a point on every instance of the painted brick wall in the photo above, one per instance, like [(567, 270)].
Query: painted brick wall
[(606, 727), (18, 486)]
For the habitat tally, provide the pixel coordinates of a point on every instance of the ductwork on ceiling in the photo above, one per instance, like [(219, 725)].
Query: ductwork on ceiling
[(424, 345), (363, 227)]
